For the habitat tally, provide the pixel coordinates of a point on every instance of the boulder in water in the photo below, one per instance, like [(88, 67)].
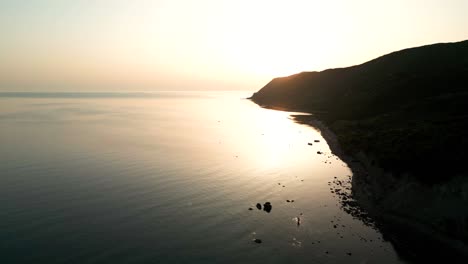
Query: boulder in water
[(267, 207)]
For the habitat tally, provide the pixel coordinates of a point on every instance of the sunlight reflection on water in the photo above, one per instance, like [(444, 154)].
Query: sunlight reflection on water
[(170, 179)]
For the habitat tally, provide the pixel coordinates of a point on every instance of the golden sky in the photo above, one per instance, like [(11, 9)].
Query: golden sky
[(77, 45)]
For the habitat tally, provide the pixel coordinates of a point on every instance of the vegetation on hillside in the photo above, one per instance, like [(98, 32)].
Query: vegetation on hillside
[(408, 109)]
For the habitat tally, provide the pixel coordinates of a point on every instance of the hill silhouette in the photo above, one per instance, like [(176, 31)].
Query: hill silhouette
[(407, 110)]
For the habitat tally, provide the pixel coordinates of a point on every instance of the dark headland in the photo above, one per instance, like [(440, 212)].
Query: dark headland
[(401, 122)]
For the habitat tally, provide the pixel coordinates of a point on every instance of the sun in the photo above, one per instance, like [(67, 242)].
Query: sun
[(271, 43)]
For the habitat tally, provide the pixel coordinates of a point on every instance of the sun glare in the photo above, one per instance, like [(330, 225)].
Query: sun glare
[(204, 44), (273, 43)]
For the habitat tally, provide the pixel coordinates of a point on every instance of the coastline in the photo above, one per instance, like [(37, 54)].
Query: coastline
[(412, 237), (399, 121)]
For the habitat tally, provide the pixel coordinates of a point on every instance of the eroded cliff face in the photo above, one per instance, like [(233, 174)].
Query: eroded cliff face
[(428, 214), (423, 222)]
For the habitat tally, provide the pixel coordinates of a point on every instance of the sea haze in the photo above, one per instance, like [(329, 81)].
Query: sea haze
[(169, 177)]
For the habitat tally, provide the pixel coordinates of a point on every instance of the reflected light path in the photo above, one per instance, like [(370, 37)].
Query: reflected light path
[(170, 179)]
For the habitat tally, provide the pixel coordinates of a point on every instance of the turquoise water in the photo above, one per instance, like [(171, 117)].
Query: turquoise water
[(169, 177)]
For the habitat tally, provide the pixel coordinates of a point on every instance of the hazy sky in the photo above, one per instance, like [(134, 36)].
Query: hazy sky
[(96, 45)]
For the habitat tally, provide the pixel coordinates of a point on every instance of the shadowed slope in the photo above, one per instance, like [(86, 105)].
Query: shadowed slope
[(406, 109)]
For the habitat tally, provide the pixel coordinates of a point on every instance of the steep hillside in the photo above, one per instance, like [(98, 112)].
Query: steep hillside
[(408, 110)]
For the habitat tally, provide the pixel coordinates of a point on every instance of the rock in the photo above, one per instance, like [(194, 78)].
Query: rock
[(288, 201), (350, 203), (250, 209), (319, 152), (258, 241), (259, 206), (310, 144), (267, 207), (316, 140)]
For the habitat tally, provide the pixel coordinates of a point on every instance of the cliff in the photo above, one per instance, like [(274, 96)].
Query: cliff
[(406, 109), (401, 121)]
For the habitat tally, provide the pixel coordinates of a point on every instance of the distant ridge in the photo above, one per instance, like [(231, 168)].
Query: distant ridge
[(405, 108)]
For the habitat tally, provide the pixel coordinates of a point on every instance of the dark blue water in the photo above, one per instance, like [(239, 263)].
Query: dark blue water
[(169, 178)]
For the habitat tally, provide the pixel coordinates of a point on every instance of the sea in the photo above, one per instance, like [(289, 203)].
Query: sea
[(171, 177)]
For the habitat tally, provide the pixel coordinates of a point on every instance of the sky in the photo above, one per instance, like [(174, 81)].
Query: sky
[(142, 45)]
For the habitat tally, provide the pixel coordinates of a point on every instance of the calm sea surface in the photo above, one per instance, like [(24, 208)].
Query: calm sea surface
[(169, 177)]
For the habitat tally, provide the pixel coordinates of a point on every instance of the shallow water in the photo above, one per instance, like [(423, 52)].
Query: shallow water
[(169, 178)]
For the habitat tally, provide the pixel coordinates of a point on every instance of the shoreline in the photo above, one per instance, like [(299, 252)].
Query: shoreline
[(400, 230), (370, 187), (357, 169)]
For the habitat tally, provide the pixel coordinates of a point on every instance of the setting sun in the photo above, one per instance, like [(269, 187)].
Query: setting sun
[(233, 131), (207, 44)]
